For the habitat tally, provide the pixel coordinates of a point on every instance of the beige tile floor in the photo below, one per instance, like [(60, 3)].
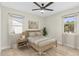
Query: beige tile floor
[(59, 51)]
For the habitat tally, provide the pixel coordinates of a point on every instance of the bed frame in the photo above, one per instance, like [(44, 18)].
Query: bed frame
[(42, 48)]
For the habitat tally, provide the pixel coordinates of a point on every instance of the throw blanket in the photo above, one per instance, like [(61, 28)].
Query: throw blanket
[(40, 40)]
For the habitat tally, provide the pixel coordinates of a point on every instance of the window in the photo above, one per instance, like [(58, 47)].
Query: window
[(15, 25), (69, 24)]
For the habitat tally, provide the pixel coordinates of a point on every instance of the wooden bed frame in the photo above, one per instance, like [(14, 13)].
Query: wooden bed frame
[(42, 48)]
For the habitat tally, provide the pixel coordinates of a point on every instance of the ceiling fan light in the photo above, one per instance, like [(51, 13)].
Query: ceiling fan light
[(42, 11)]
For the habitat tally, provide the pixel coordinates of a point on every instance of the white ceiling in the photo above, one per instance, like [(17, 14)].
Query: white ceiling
[(28, 6)]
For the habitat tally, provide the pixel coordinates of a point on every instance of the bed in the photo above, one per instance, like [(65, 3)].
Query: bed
[(41, 43)]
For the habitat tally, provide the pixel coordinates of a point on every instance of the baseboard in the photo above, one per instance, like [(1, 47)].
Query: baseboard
[(68, 45), (6, 47), (59, 43), (0, 51), (77, 47)]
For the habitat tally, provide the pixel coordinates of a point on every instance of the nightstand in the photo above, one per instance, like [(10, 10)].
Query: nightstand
[(22, 43)]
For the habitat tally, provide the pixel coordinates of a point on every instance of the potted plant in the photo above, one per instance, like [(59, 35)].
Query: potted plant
[(44, 31)]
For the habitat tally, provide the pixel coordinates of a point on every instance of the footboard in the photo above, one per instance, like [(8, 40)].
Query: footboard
[(44, 45)]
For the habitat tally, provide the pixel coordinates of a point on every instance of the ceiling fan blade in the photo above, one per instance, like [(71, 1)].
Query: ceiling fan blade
[(37, 4), (49, 9), (48, 4), (35, 9)]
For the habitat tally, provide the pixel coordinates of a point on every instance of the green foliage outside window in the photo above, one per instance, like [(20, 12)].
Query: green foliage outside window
[(69, 26)]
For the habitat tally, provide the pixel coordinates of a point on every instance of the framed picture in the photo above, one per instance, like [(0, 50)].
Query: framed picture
[(33, 24)]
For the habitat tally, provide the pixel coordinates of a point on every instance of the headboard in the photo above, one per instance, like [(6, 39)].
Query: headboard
[(34, 32)]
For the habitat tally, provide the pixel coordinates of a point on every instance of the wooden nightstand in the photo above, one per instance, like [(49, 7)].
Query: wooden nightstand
[(22, 43)]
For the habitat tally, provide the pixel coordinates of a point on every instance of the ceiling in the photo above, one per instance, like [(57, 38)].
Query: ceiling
[(28, 6)]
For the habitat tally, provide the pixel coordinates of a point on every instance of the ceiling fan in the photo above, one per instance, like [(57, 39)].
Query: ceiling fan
[(42, 7)]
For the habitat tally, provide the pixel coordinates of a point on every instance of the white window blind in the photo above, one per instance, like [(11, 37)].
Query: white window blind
[(15, 24)]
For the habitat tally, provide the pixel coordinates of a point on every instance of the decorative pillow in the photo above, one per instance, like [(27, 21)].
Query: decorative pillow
[(23, 36)]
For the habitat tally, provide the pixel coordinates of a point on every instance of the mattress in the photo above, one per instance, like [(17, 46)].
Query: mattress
[(40, 40)]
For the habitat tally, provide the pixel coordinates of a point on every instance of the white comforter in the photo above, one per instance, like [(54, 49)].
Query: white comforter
[(40, 40)]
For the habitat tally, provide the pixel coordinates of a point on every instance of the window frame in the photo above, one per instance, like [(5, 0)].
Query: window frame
[(75, 23), (72, 31), (9, 25)]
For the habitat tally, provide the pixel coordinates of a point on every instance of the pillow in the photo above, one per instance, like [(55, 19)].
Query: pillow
[(23, 36), (31, 34), (38, 34)]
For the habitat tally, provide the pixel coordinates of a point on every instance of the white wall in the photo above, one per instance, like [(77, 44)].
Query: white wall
[(0, 29), (54, 23), (28, 16)]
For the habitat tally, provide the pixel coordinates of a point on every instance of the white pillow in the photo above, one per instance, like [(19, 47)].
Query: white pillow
[(23, 36), (38, 34), (31, 34)]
